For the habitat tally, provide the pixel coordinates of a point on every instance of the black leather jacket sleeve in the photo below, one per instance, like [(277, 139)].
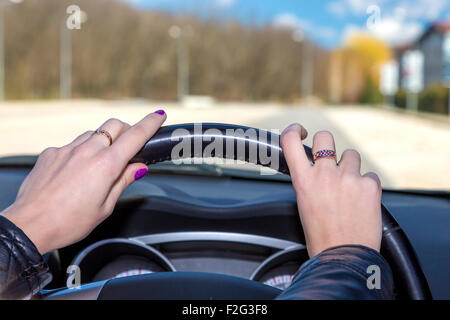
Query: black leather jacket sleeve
[(342, 273), (23, 271)]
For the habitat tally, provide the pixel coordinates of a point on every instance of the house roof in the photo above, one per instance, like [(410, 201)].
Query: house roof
[(441, 27)]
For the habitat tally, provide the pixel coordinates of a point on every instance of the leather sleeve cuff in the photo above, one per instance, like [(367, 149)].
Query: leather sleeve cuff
[(23, 271), (344, 272)]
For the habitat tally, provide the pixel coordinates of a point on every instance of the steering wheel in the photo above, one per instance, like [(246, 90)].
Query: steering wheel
[(410, 282)]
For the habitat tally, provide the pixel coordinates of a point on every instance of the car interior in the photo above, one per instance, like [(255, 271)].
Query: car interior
[(202, 231), (216, 216)]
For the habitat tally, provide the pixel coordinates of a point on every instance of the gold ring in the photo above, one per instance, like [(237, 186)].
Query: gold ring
[(106, 134)]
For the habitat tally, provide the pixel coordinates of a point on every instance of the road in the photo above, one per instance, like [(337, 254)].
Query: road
[(408, 151)]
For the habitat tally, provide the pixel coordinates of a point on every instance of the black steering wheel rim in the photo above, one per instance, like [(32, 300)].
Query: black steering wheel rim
[(408, 276), (410, 282)]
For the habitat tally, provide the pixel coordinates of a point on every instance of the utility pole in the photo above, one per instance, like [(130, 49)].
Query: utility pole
[(446, 56), (307, 64), (65, 62), (183, 67), (413, 63), (448, 102), (308, 75), (179, 34), (2, 52), (389, 81), (68, 24), (412, 101), (3, 3)]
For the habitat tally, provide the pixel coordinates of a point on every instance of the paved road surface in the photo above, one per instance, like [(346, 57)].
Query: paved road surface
[(408, 151)]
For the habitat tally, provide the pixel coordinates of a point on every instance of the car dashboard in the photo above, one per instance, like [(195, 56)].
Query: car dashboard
[(171, 230), (268, 260), (243, 227)]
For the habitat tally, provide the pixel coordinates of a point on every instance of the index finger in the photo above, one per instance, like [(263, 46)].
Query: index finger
[(294, 152), (132, 140)]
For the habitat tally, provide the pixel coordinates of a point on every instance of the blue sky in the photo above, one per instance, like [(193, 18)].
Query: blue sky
[(328, 22)]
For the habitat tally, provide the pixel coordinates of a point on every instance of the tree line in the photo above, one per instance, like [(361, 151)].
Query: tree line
[(124, 52)]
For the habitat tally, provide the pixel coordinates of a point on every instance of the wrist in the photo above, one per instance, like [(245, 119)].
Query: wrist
[(28, 221), (316, 250)]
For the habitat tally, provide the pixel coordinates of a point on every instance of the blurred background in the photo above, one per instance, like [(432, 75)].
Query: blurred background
[(374, 72)]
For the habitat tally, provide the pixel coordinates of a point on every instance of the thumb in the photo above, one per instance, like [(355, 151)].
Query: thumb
[(130, 174)]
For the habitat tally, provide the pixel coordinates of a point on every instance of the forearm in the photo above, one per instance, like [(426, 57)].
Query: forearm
[(342, 273), (23, 271)]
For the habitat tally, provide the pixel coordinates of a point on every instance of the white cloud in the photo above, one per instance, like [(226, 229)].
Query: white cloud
[(424, 9), (397, 32), (336, 8), (356, 7), (393, 31), (417, 9), (401, 21), (294, 23), (289, 21), (225, 3), (359, 6)]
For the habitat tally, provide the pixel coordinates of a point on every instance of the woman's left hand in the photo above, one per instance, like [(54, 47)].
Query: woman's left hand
[(74, 188)]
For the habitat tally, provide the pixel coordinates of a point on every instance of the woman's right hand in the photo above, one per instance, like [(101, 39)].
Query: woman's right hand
[(74, 188), (337, 205)]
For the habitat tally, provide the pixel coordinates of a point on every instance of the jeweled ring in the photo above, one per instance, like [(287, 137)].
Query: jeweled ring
[(106, 134), (324, 154)]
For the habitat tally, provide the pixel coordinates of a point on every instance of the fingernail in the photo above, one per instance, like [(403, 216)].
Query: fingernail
[(140, 174), (160, 112)]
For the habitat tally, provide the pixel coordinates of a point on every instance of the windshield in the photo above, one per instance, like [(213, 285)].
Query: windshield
[(374, 73)]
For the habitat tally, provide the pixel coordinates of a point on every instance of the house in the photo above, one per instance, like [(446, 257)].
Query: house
[(436, 63)]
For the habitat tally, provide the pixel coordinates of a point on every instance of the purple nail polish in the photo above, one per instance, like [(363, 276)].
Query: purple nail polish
[(160, 112), (140, 174)]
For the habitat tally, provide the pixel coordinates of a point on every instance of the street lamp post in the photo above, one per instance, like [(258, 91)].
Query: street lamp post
[(307, 64), (2, 45), (448, 99), (65, 62), (65, 51), (447, 84), (179, 34)]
